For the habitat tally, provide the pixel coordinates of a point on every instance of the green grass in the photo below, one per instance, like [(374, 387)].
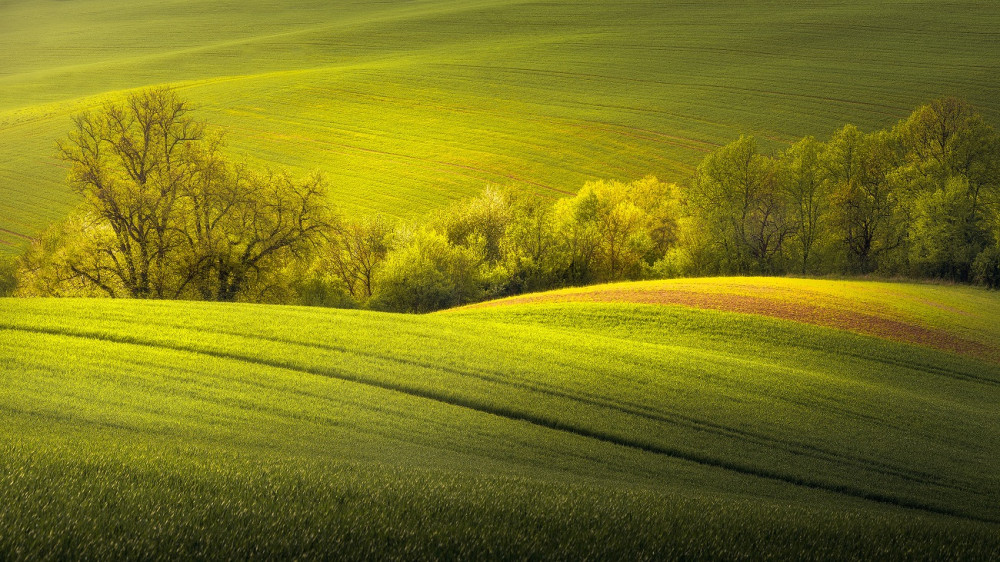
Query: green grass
[(954, 318), (573, 429), (408, 106)]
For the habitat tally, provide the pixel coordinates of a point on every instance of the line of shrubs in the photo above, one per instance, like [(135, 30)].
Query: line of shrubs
[(166, 215)]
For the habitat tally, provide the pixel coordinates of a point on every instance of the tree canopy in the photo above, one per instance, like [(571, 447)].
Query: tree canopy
[(166, 214)]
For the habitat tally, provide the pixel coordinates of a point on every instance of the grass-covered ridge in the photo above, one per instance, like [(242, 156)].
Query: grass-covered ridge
[(959, 319), (617, 429), (411, 105)]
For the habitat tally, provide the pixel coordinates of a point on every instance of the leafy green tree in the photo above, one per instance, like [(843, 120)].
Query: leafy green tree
[(258, 222), (660, 203), (807, 189), (867, 217), (425, 272), (576, 239), (952, 170), (8, 275), (947, 138), (613, 230), (129, 163), (165, 215), (619, 226), (940, 241), (986, 268), (533, 260), (51, 264), (479, 221), (741, 199), (315, 287)]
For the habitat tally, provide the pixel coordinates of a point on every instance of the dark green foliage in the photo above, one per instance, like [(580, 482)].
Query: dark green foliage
[(739, 196), (322, 290), (8, 275), (357, 248), (426, 273), (920, 199), (986, 268), (865, 211), (808, 200), (943, 239), (504, 243), (166, 215), (480, 222)]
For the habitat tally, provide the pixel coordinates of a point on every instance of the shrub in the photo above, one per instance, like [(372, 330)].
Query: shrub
[(986, 268), (323, 290), (426, 273), (8, 279)]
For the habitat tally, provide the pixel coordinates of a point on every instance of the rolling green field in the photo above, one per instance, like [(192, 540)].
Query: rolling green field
[(410, 105), (959, 319), (571, 428), (699, 418)]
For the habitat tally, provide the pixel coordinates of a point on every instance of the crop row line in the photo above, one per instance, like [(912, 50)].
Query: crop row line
[(534, 419), (633, 409)]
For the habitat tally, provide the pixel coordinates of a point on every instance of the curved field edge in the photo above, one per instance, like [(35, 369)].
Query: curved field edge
[(554, 398), (957, 319)]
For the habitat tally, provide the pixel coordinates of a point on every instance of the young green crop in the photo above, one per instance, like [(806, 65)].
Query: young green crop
[(166, 429), (408, 106), (953, 318)]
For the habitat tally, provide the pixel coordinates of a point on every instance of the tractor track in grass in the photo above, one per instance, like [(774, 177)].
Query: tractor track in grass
[(427, 161), (530, 418), (628, 408), (17, 234), (636, 409), (897, 362), (883, 109)]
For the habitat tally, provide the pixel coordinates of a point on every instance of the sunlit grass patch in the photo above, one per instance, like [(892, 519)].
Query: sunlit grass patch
[(524, 430), (956, 319), (409, 106)]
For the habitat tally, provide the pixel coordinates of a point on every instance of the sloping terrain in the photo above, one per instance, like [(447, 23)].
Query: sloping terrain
[(410, 105), (616, 429), (959, 319)]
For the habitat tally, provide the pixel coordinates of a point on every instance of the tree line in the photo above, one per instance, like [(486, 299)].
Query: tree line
[(166, 214), (917, 200)]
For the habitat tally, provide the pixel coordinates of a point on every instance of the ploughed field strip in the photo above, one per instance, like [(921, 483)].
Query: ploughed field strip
[(410, 105), (660, 404), (956, 319)]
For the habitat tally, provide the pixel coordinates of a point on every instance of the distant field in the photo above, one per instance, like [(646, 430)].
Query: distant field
[(409, 105), (573, 426)]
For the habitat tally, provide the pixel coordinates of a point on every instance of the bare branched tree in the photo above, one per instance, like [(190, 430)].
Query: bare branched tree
[(130, 163), (165, 215), (359, 246)]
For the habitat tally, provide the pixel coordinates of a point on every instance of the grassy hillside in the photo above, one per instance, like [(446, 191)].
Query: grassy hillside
[(408, 105), (609, 428), (959, 319)]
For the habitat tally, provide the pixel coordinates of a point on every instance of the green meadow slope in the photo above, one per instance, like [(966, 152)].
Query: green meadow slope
[(557, 427), (955, 318), (409, 105)]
